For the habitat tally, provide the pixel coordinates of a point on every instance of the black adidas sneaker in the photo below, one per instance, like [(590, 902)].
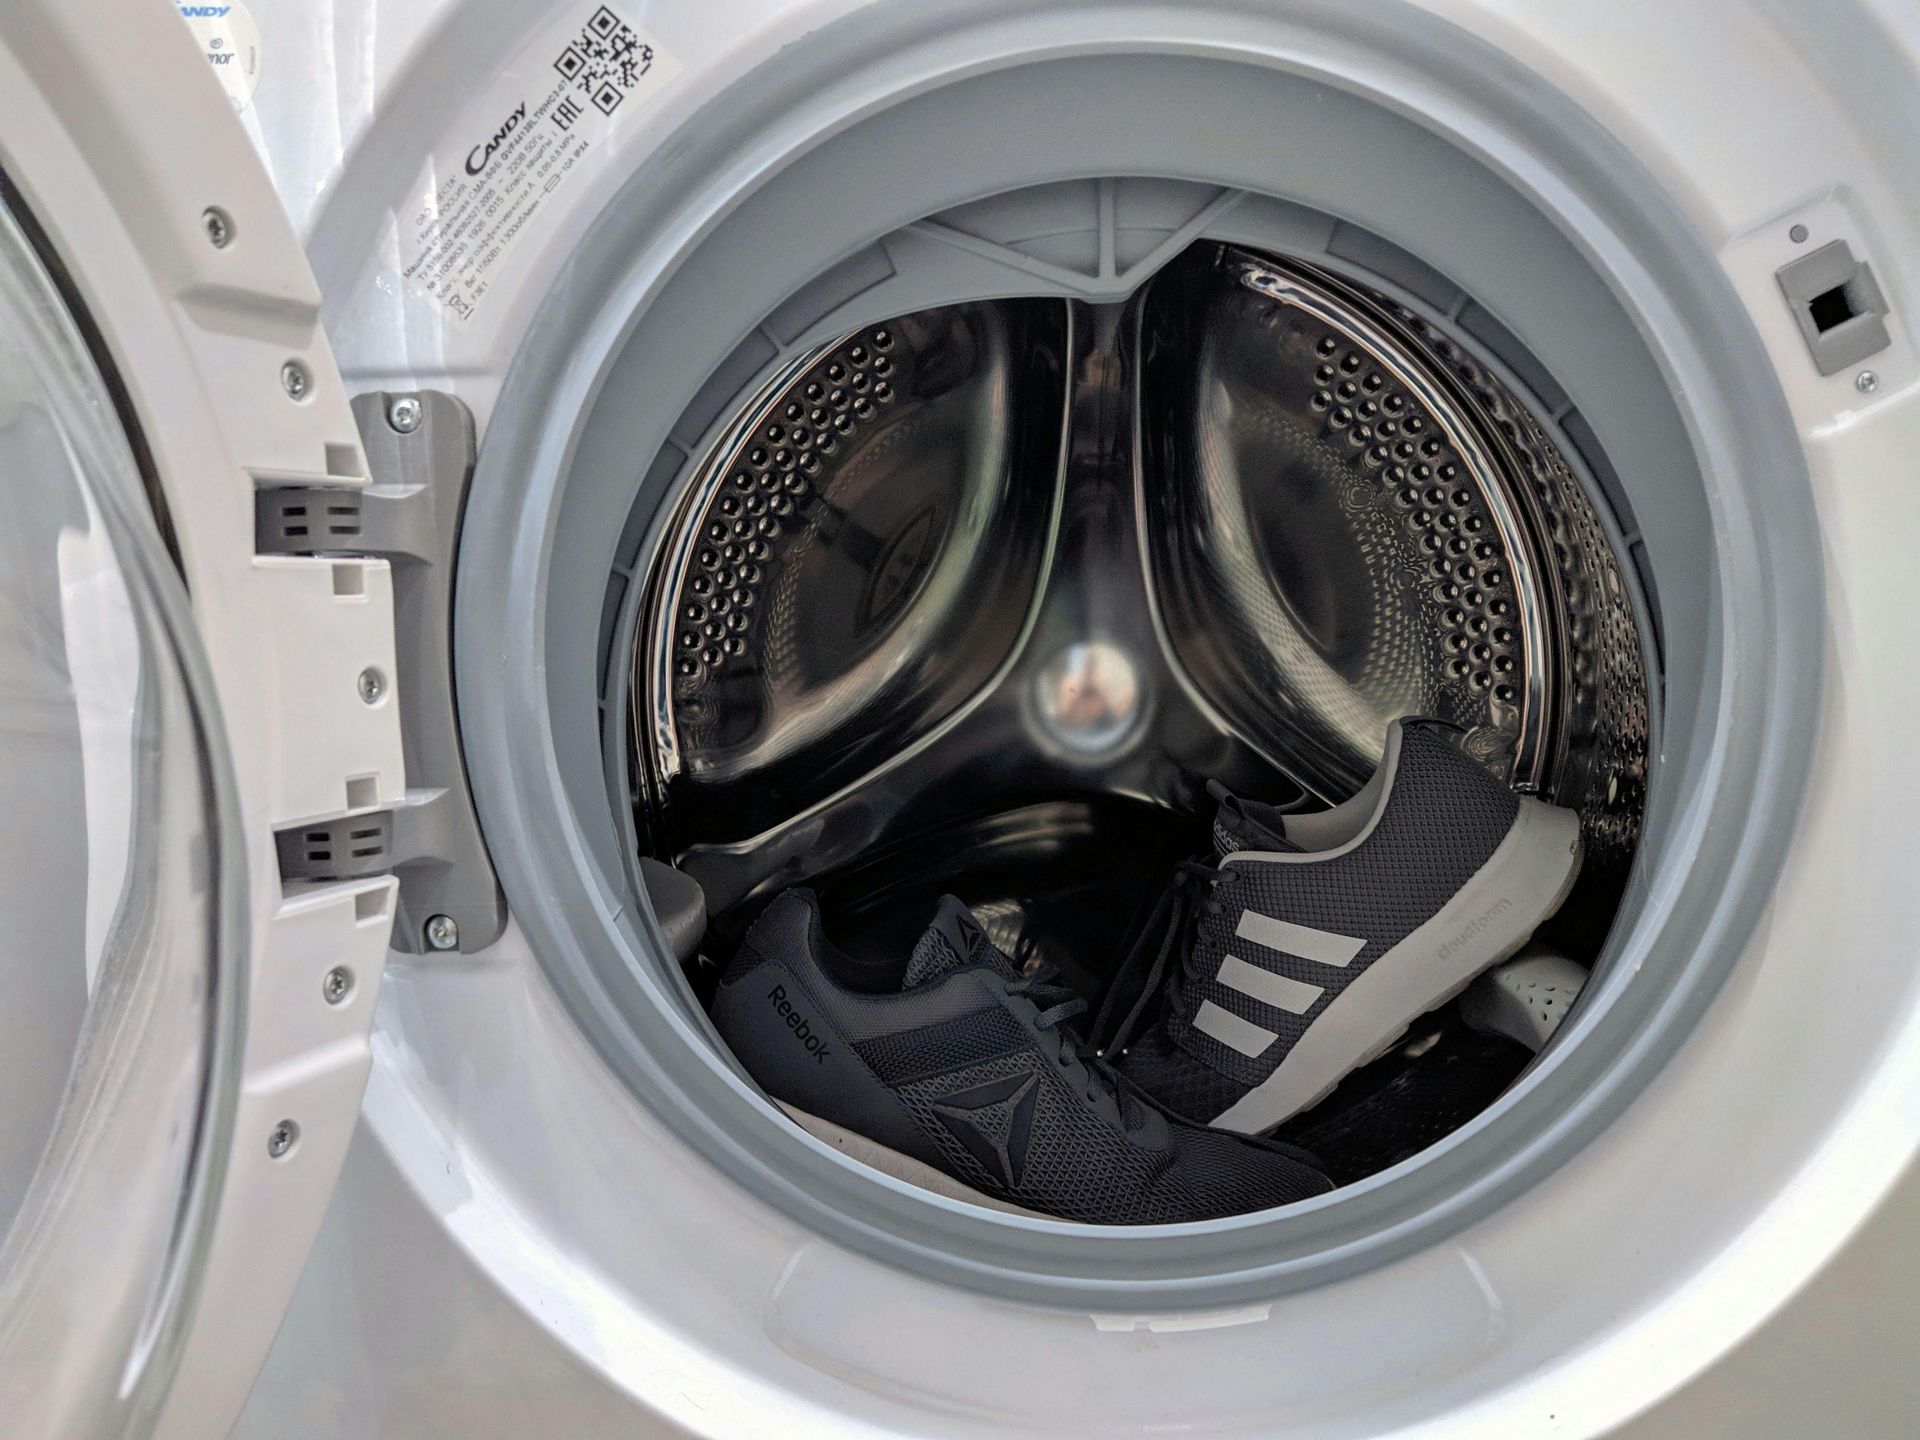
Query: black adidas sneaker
[(953, 1071), (1311, 941)]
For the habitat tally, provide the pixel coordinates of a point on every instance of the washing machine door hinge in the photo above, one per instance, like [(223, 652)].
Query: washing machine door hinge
[(420, 452)]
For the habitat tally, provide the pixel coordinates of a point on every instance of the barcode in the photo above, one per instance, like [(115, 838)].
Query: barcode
[(605, 60)]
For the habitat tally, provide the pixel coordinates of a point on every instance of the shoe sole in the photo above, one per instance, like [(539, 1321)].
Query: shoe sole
[(876, 1156), (1489, 918)]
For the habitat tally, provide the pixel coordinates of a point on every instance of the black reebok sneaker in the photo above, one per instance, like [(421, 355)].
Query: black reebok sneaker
[(950, 1069), (1311, 941)]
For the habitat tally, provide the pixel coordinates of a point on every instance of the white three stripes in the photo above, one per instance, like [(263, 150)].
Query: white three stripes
[(1296, 997)]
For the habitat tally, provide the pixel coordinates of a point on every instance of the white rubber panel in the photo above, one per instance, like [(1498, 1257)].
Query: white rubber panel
[(1523, 882), (1525, 999)]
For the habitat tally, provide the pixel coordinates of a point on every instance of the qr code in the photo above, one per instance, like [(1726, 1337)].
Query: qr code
[(605, 61)]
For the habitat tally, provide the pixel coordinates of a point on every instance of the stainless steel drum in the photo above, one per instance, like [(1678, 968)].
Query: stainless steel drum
[(975, 600)]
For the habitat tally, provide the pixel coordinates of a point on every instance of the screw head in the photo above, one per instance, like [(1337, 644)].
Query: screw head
[(442, 933), (293, 379), (281, 1138), (372, 685), (338, 985), (1866, 382), (219, 228), (404, 413)]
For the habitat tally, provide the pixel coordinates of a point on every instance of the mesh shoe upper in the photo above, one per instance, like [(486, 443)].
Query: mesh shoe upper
[(1286, 930), (1178, 1079), (965, 1066)]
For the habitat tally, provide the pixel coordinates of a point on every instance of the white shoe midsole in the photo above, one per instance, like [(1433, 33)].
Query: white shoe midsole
[(873, 1154)]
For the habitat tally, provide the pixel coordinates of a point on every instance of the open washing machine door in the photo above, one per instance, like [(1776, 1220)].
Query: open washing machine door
[(567, 1206), (566, 1210), (184, 1046)]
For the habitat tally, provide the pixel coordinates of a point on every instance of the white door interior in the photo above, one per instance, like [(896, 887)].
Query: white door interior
[(183, 1045)]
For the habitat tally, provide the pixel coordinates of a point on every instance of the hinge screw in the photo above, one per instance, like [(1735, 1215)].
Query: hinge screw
[(442, 933), (280, 1139), (372, 685), (1866, 382), (403, 414), (338, 984), (293, 379), (219, 228)]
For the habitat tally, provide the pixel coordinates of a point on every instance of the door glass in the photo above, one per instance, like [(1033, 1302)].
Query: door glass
[(117, 981)]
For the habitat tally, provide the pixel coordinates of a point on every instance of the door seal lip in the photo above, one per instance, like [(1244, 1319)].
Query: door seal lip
[(1778, 696)]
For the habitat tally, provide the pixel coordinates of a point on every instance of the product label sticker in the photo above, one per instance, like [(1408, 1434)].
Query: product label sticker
[(230, 40), (495, 175)]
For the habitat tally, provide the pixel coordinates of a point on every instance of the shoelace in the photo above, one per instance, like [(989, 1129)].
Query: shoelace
[(1059, 1004), (1175, 921)]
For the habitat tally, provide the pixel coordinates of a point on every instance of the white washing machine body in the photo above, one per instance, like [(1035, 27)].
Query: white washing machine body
[(525, 1235)]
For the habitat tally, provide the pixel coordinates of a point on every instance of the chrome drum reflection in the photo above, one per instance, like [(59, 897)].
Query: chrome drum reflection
[(855, 561), (1353, 520), (976, 600), (1088, 698)]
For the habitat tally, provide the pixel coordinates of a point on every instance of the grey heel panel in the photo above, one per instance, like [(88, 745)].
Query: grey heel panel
[(793, 1051)]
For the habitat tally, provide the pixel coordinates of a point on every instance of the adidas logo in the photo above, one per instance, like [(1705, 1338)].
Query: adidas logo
[(1283, 992), (797, 1023)]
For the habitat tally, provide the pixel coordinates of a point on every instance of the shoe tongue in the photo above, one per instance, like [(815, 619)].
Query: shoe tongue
[(954, 939), (1245, 824)]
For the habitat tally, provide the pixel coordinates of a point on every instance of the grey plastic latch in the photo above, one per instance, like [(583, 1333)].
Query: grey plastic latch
[(346, 849), (410, 516), (1837, 304), (307, 522), (679, 904)]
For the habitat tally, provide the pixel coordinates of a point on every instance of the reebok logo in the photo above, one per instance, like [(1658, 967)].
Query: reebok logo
[(1475, 926), (797, 1023), (994, 1121)]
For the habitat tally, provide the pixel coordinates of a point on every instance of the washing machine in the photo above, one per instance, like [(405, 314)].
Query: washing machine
[(495, 491)]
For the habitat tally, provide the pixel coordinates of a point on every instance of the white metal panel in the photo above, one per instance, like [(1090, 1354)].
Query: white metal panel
[(564, 1262)]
